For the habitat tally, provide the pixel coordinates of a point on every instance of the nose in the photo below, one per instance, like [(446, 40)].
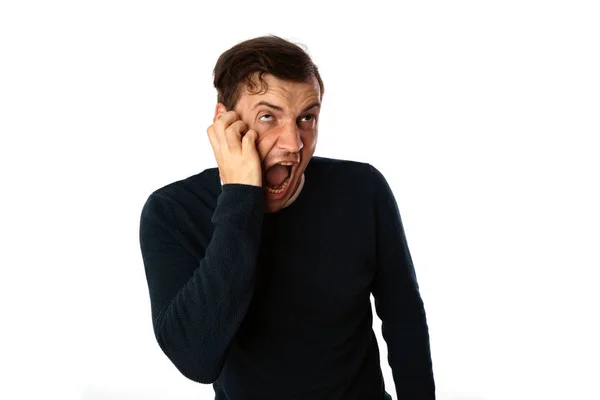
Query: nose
[(290, 139)]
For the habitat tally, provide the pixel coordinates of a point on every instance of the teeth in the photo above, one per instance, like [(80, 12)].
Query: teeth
[(283, 187), (285, 183)]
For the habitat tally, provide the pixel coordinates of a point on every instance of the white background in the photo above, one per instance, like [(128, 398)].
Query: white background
[(484, 117)]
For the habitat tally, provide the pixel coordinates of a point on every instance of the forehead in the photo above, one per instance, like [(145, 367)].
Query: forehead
[(292, 93)]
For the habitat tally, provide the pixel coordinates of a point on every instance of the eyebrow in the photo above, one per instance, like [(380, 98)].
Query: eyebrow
[(273, 106)]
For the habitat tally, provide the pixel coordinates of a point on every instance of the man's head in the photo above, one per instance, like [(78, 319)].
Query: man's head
[(276, 89)]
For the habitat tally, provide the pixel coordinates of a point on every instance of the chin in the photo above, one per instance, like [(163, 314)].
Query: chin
[(272, 208), (276, 201)]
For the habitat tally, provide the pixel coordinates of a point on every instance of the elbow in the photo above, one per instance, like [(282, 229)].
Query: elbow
[(191, 363), (199, 374)]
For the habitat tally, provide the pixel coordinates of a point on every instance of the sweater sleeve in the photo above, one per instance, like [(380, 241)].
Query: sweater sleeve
[(398, 302), (199, 304)]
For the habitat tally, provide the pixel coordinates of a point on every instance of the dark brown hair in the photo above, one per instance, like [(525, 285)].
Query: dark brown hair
[(238, 67)]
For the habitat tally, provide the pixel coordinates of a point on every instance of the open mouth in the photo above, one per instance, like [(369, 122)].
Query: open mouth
[(278, 177)]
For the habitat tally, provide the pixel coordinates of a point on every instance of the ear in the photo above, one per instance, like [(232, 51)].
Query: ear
[(220, 109)]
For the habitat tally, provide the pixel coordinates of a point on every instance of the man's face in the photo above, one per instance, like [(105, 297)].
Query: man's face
[(286, 120)]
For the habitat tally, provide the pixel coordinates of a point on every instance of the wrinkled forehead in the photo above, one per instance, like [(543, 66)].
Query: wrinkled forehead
[(288, 91)]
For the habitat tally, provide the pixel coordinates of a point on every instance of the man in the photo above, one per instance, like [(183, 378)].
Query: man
[(260, 271)]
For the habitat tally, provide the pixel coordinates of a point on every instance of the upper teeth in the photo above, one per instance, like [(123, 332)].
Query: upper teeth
[(286, 163)]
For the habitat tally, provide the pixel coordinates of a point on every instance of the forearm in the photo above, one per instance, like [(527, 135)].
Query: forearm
[(398, 301), (196, 322), (409, 355)]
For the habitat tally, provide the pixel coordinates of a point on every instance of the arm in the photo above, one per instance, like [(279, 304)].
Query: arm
[(198, 305), (398, 302)]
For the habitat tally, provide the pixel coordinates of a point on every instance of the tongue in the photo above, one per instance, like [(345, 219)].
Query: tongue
[(276, 175)]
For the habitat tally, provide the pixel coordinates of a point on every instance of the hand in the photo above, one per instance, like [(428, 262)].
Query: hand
[(234, 147)]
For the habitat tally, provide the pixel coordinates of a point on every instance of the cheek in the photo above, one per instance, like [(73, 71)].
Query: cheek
[(309, 139), (266, 140), (264, 145), (310, 143)]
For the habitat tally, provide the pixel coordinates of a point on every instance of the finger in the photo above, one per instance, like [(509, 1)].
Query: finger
[(233, 135), (249, 142), (212, 137), (225, 120), (239, 127)]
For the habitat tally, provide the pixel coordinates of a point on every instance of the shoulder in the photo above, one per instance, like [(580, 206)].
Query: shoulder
[(323, 166), (350, 173), (192, 192)]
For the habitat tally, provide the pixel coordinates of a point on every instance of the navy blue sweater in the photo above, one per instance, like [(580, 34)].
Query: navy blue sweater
[(277, 306)]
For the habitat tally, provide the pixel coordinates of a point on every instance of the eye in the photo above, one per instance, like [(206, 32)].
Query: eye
[(307, 118), (269, 116)]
